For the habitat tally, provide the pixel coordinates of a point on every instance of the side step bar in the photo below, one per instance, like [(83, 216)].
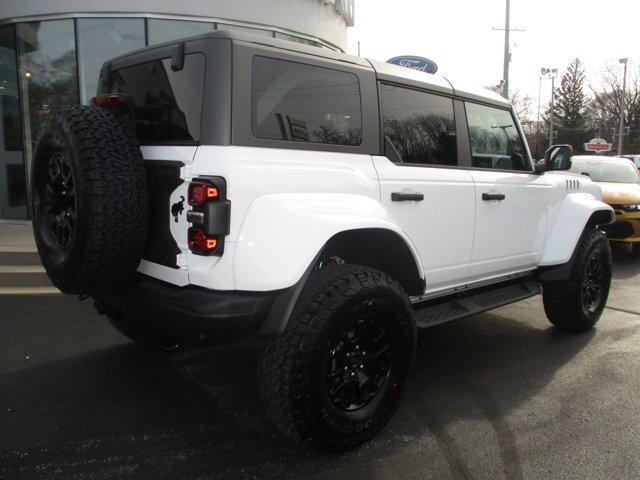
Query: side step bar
[(441, 310)]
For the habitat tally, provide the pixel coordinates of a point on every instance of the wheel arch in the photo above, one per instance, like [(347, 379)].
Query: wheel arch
[(561, 272), (577, 212), (386, 251)]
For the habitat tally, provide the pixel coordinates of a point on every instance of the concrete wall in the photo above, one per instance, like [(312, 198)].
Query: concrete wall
[(315, 18)]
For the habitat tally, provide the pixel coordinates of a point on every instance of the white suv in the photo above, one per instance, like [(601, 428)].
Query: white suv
[(231, 185)]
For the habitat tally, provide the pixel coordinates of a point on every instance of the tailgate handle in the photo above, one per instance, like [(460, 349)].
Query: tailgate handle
[(493, 196), (406, 197)]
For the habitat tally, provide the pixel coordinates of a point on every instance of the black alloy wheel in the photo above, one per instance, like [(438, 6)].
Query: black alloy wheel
[(59, 206), (359, 360), (593, 283)]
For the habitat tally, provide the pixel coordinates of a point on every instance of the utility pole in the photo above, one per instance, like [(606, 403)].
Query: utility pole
[(622, 104), (553, 88), (507, 51)]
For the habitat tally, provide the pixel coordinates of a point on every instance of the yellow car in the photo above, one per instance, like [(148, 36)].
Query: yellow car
[(620, 182)]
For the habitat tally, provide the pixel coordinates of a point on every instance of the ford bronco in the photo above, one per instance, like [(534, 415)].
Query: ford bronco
[(227, 185)]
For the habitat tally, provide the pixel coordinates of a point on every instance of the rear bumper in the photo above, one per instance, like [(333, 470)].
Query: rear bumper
[(193, 315)]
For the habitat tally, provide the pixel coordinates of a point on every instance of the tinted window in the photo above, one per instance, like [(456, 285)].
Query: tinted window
[(495, 142), (302, 103), (419, 127), (168, 104)]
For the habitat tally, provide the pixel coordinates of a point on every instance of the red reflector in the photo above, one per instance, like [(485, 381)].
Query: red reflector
[(200, 193), (107, 100), (199, 242)]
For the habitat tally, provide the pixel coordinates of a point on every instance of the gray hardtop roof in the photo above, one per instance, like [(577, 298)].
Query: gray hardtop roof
[(384, 71)]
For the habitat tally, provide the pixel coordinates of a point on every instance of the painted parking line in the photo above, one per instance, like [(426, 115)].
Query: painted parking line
[(21, 269), (28, 291), (623, 310)]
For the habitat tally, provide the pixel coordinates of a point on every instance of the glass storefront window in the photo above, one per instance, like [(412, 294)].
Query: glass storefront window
[(100, 39), (167, 30), (13, 192), (48, 72), (255, 31)]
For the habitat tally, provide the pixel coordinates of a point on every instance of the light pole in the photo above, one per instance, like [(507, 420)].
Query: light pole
[(543, 72), (552, 73), (622, 106)]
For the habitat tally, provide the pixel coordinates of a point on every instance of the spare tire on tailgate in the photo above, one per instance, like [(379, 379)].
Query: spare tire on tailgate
[(89, 201)]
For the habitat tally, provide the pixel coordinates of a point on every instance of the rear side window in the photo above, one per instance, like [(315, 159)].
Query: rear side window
[(303, 103), (495, 141), (168, 104), (419, 127)]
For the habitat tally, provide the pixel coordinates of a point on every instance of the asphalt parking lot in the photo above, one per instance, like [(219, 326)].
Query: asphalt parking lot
[(497, 395)]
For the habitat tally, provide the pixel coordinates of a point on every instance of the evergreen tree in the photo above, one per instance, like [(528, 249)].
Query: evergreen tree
[(570, 108)]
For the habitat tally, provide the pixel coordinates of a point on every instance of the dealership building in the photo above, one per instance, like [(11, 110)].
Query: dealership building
[(51, 53)]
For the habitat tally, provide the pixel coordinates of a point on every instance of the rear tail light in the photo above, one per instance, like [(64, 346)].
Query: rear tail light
[(201, 243), (201, 193), (209, 216), (108, 100)]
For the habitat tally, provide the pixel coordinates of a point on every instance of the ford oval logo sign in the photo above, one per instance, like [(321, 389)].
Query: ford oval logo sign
[(417, 63)]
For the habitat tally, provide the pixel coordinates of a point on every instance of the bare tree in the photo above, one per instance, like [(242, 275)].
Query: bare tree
[(604, 110), (520, 102)]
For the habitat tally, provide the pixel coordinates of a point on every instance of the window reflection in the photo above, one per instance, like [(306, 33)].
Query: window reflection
[(13, 192), (419, 127), (100, 39), (304, 103), (167, 30), (48, 72), (495, 142)]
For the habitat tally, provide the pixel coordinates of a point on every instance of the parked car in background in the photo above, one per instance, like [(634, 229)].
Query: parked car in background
[(620, 182), (634, 158)]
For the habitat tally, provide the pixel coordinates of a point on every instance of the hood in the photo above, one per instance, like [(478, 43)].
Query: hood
[(620, 193)]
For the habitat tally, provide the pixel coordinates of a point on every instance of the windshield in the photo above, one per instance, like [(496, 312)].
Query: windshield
[(606, 171)]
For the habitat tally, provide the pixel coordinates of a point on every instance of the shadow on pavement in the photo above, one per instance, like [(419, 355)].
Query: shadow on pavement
[(625, 264), (123, 411)]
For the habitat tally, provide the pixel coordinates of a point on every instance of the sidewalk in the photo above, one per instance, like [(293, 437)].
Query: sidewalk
[(16, 237)]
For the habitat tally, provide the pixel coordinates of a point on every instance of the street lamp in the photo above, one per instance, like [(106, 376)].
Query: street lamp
[(543, 72), (552, 73), (622, 101)]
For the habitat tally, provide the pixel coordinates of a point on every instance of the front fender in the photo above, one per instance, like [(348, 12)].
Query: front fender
[(573, 216), (281, 234)]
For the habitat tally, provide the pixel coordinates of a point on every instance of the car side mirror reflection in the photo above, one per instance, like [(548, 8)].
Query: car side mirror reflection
[(558, 157), (540, 167)]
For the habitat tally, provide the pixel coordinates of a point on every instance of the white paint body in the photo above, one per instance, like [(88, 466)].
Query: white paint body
[(286, 204)]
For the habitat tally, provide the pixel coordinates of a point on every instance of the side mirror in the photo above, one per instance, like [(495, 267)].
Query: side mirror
[(540, 167), (558, 157)]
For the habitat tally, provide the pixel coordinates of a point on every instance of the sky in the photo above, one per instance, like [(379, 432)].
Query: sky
[(458, 36)]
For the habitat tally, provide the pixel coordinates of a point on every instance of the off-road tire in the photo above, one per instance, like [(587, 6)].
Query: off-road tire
[(292, 376), (111, 202), (564, 302)]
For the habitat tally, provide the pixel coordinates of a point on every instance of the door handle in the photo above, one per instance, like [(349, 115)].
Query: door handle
[(406, 197), (493, 196)]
